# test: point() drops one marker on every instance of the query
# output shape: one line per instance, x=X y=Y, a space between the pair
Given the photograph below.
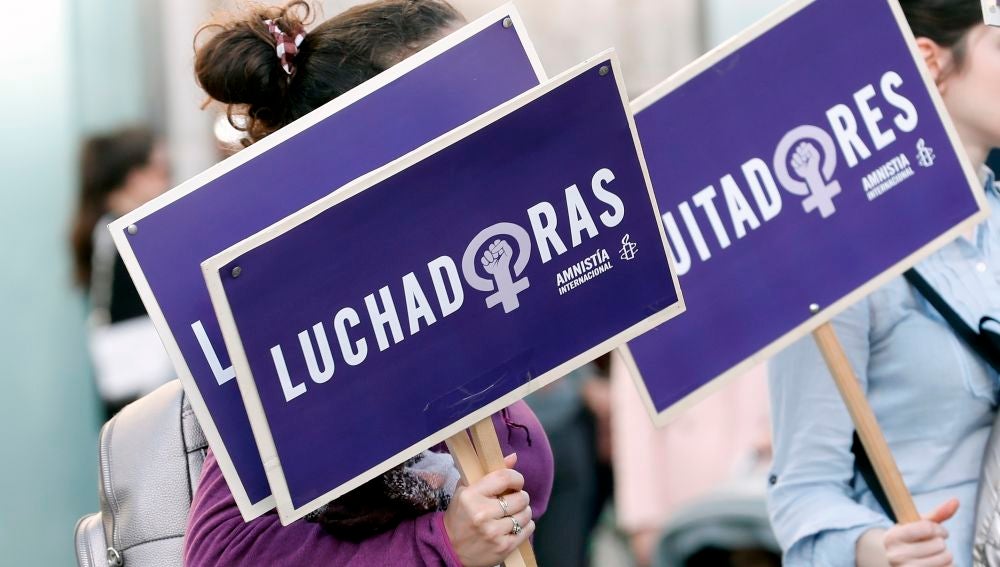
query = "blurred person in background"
x=119 y=171
x=575 y=412
x=269 y=71
x=935 y=398
x=663 y=474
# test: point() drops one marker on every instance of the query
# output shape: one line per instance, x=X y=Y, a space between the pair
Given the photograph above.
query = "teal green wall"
x=58 y=83
x=109 y=47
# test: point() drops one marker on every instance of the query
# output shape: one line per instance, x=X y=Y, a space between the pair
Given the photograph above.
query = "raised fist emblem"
x=805 y=161
x=499 y=264
x=813 y=162
x=496 y=258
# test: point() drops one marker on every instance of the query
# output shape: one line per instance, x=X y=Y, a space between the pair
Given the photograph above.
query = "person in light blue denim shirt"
x=934 y=398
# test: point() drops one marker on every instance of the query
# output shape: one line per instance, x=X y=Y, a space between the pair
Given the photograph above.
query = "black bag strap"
x=864 y=466
x=976 y=341
x=982 y=346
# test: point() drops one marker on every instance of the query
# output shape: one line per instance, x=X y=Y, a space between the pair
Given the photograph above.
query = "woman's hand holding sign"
x=482 y=519
x=923 y=542
x=916 y=543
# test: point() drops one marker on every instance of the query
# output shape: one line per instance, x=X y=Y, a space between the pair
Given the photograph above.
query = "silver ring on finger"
x=517 y=529
x=503 y=507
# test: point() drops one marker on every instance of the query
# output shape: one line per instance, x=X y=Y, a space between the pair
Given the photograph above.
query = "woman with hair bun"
x=935 y=398
x=270 y=70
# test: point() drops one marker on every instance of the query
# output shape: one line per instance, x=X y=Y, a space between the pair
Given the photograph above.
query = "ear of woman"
x=938 y=60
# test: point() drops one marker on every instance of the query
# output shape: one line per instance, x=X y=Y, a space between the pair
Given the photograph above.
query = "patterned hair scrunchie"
x=285 y=47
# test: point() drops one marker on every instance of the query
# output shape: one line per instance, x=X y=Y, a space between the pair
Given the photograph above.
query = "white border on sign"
x=826 y=314
x=248 y=509
x=258 y=419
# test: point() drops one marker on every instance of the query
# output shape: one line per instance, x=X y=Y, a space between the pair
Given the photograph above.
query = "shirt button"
x=772 y=480
x=981 y=267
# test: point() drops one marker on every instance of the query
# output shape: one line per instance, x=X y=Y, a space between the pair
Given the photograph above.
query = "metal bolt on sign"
x=507 y=22
x=237 y=271
x=132 y=229
x=604 y=70
x=814 y=308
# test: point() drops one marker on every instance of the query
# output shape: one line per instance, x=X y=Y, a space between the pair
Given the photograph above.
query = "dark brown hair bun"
x=237 y=64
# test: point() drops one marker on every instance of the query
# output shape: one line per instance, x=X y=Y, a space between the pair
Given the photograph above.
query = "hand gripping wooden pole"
x=477 y=452
x=864 y=421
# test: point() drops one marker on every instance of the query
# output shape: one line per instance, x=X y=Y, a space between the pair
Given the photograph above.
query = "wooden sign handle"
x=864 y=421
x=477 y=452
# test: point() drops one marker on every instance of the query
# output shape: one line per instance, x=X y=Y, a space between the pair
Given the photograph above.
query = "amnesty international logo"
x=628 y=248
x=498 y=263
x=925 y=154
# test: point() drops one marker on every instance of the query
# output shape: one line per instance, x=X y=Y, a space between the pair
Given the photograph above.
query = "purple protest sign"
x=434 y=292
x=163 y=243
x=798 y=168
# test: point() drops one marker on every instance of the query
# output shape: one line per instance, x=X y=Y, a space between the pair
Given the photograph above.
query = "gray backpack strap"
x=102 y=272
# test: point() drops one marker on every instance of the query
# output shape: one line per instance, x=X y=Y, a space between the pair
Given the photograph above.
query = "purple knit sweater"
x=217 y=536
